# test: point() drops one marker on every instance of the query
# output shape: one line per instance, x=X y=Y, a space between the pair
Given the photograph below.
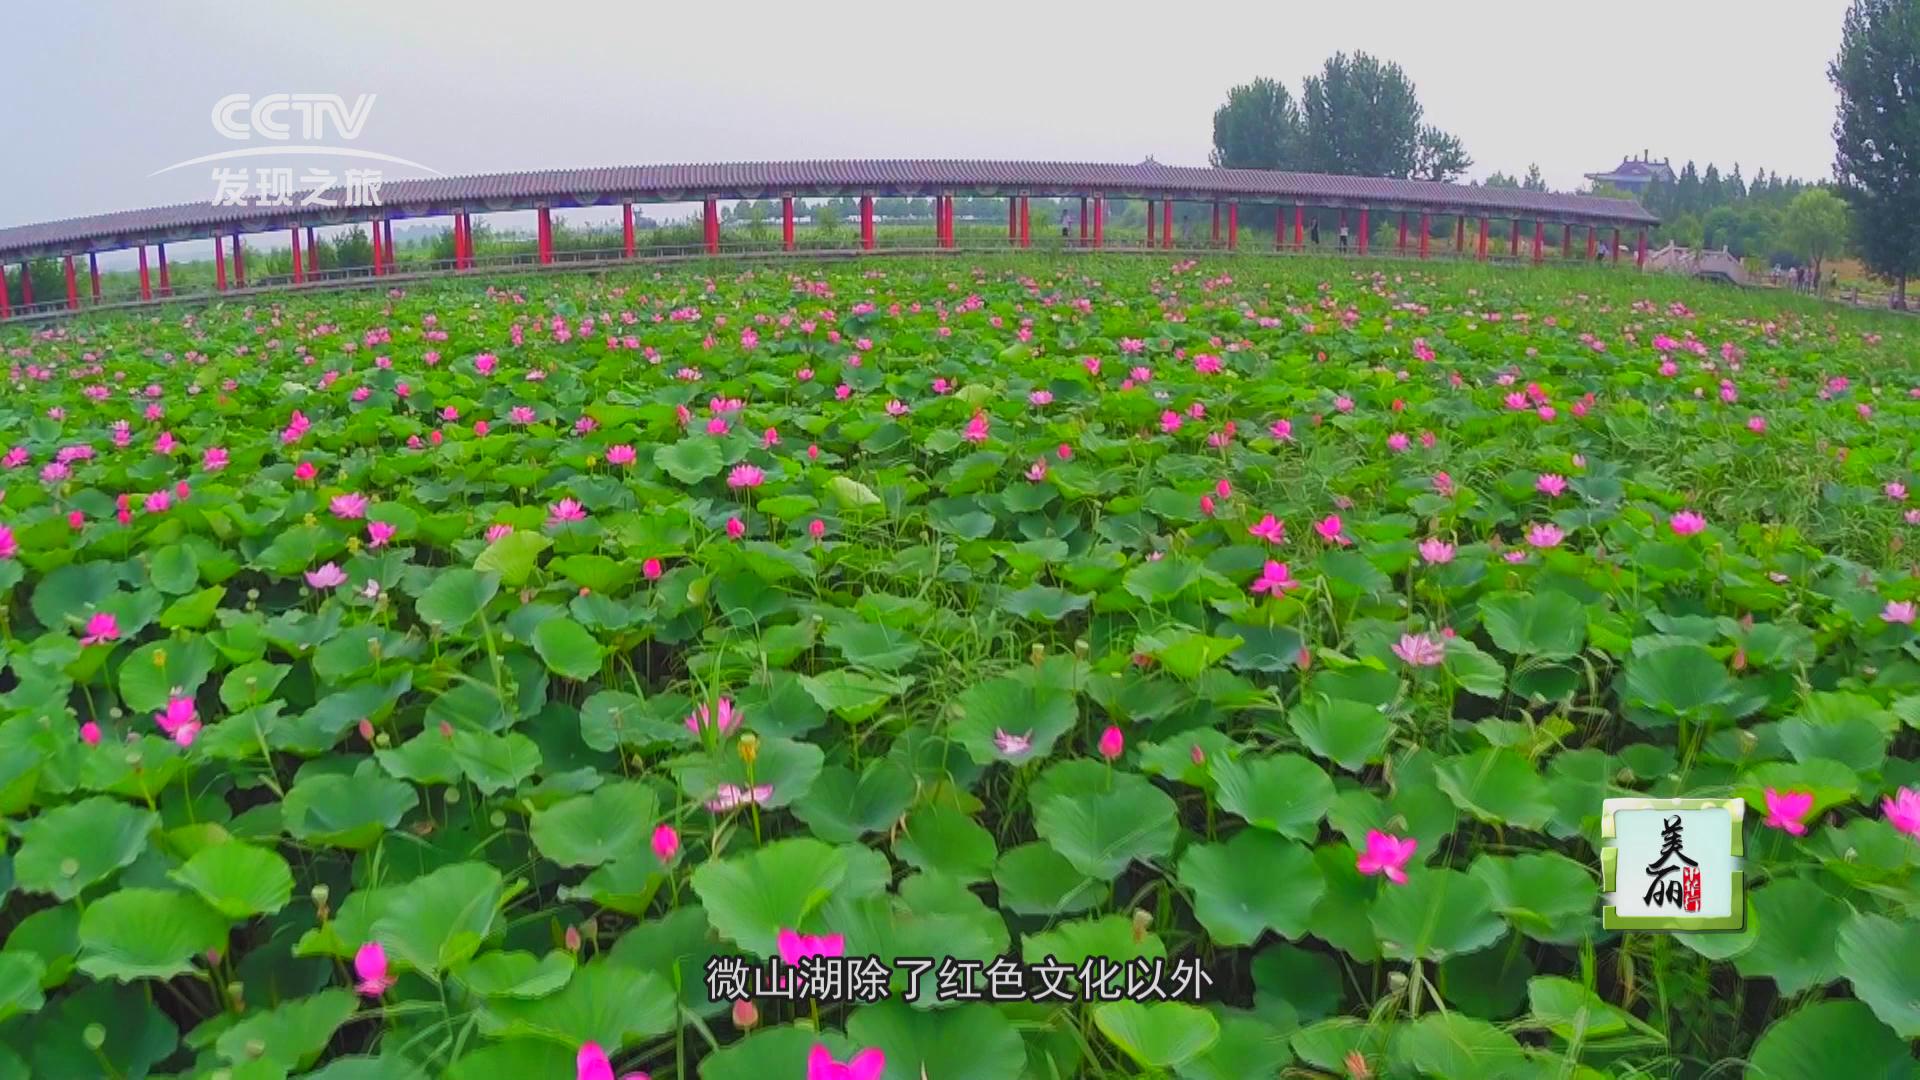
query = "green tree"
x=1534 y=181
x=1440 y=156
x=1685 y=230
x=1363 y=118
x=1877 y=134
x=1816 y=226
x=1258 y=128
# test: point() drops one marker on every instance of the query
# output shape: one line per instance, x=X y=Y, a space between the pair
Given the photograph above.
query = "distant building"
x=1636 y=174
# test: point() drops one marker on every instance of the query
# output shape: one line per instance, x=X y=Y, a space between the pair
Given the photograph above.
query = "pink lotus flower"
x=1686 y=523
x=1436 y=551
x=1274 y=580
x=102 y=627
x=736 y=528
x=90 y=733
x=1397 y=442
x=747 y=476
x=620 y=454
x=496 y=532
x=305 y=472
x=1420 y=650
x=1041 y=397
x=1329 y=529
x=9 y=547
x=722 y=719
x=650 y=569
x=1789 y=810
x=1896 y=491
x=214 y=459
x=1386 y=854
x=868 y=1064
x=1037 y=471
x=1898 y=611
x=564 y=511
x=816 y=528
x=1545 y=535
x=729 y=796
x=370 y=964
x=1112 y=742
x=1012 y=745
x=977 y=428
x=348 y=506
x=485 y=363
x=379 y=533
x=1757 y=425
x=1903 y=811
x=1282 y=430
x=666 y=843
x=591 y=1064
x=1551 y=484
x=794 y=945
x=328 y=576
x=179 y=720
x=1270 y=529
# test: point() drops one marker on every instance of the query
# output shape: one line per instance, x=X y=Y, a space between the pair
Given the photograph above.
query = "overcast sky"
x=100 y=95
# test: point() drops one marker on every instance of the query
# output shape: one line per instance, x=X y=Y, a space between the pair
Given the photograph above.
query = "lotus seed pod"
x=94 y=1035
x=498 y=819
x=453 y=796
x=1397 y=980
x=749 y=747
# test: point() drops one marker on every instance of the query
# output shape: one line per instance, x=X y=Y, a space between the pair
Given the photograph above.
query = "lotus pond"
x=443 y=682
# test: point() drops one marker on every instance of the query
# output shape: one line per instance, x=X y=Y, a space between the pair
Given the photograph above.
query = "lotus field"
x=1121 y=667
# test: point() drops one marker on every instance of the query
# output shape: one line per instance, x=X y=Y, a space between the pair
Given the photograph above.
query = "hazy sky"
x=99 y=95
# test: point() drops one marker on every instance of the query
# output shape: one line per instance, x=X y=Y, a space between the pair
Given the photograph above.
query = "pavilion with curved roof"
x=461 y=198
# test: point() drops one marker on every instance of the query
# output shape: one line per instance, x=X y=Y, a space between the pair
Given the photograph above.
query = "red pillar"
x=712 y=214
x=1013 y=219
x=1513 y=239
x=1616 y=247
x=1482 y=255
x=1086 y=226
x=1589 y=243
x=1026 y=221
x=299 y=268
x=166 y=283
x=219 y=265
x=1403 y=232
x=1100 y=221
x=866 y=222
x=146 y=287
x=626 y=228
x=786 y=223
x=6 y=309
x=1299 y=236
x=1151 y=210
x=546 y=233
x=1166 y=224
x=73 y=287
x=1539 y=236
x=313 y=253
x=379 y=261
x=1363 y=230
x=1425 y=232
x=1233 y=225
x=386 y=229
x=93 y=274
x=1215 y=241
x=1566 y=240
x=1640 y=253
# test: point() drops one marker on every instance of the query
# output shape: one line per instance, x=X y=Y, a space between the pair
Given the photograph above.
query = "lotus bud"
x=452 y=796
x=572 y=939
x=1748 y=741
x=1142 y=922
x=497 y=819
x=749 y=747
x=237 y=993
x=94 y=1035
x=1357 y=1066
x=256 y=1048
x=745 y=1016
x=1081 y=648
x=383 y=740
x=1396 y=980
x=320 y=894
x=366 y=729
x=1198 y=755
x=1038 y=654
